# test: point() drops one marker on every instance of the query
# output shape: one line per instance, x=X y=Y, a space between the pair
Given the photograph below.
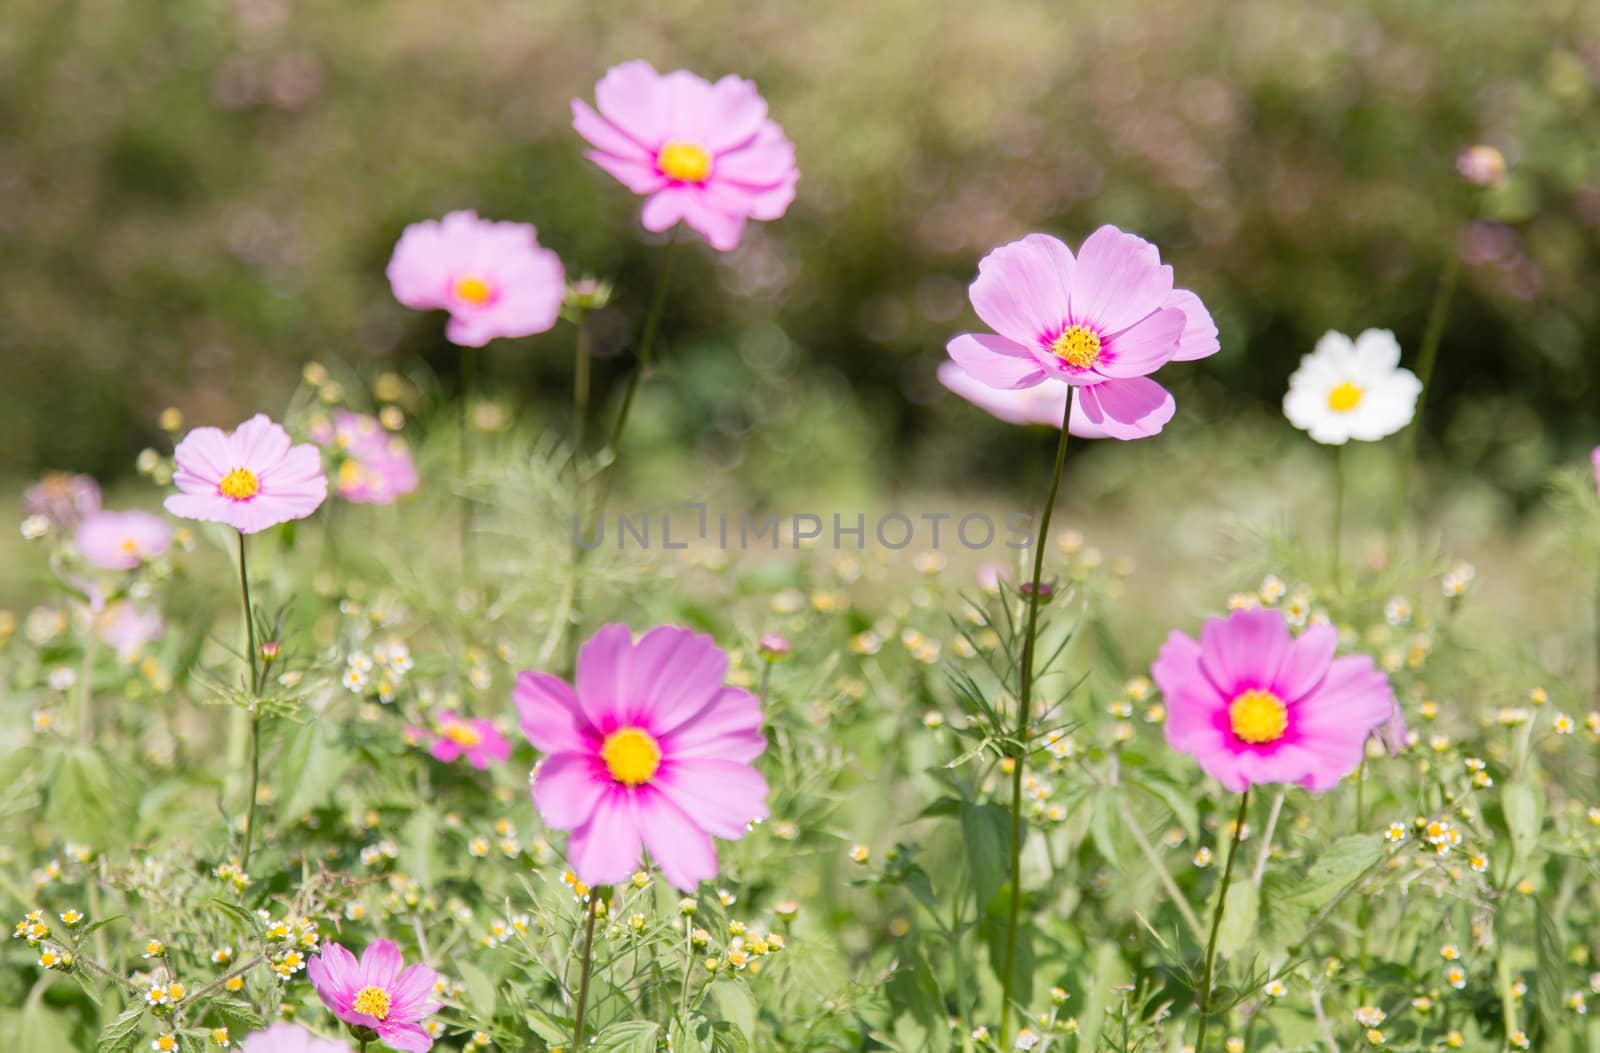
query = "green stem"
x=86 y=687
x=255 y=715
x=1024 y=704
x=464 y=465
x=583 y=981
x=581 y=365
x=1427 y=356
x=1338 y=512
x=1207 y=977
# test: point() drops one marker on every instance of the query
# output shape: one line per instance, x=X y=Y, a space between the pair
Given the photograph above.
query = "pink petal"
x=682 y=850
x=1352 y=700
x=729 y=728
x=606 y=137
x=550 y=714
x=412 y=993
x=1199 y=331
x=1119 y=280
x=409 y=1038
x=444 y=749
x=605 y=850
x=204 y=457
x=767 y=160
x=1243 y=651
x=722 y=797
x=568 y=788
x=1306 y=663
x=996 y=361
x=672 y=675
x=1045 y=403
x=1135 y=408
x=259 y=444
x=602 y=677
x=631 y=97
x=380 y=964
x=641 y=177
x=1144 y=348
x=734 y=113
x=1022 y=289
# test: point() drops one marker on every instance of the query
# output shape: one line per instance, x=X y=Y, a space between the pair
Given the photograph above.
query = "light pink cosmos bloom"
x=291 y=1038
x=703 y=153
x=122 y=540
x=1101 y=321
x=126 y=628
x=62 y=498
x=376 y=993
x=456 y=736
x=651 y=751
x=375 y=467
x=495 y=279
x=251 y=478
x=1594 y=458
x=1043 y=403
x=1254 y=705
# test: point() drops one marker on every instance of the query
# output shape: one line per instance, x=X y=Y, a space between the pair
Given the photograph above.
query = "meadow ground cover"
x=378 y=720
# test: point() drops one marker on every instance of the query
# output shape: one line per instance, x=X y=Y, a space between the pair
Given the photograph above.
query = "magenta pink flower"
x=251 y=478
x=1044 y=403
x=291 y=1038
x=455 y=736
x=495 y=279
x=374 y=467
x=62 y=498
x=1101 y=322
x=122 y=540
x=651 y=751
x=1254 y=705
x=702 y=153
x=376 y=993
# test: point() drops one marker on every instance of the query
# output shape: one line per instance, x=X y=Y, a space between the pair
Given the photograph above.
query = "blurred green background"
x=198 y=196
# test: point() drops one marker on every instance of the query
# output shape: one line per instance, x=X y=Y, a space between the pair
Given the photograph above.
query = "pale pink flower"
x=122 y=540
x=652 y=751
x=456 y=736
x=127 y=628
x=495 y=279
x=252 y=478
x=62 y=498
x=703 y=153
x=291 y=1038
x=1044 y=403
x=1255 y=705
x=374 y=467
x=1101 y=322
x=377 y=993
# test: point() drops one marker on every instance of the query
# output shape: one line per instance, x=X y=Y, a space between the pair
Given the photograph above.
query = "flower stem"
x=1209 y=975
x=1338 y=512
x=1024 y=704
x=583 y=981
x=86 y=687
x=464 y=466
x=255 y=714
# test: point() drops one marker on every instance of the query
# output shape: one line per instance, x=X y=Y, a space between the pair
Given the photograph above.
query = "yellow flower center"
x=373 y=1001
x=473 y=289
x=130 y=546
x=684 y=162
x=1077 y=346
x=1258 y=716
x=632 y=755
x=1345 y=397
x=462 y=734
x=240 y=484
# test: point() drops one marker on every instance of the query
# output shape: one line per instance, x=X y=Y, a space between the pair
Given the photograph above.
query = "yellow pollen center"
x=1258 y=717
x=631 y=755
x=1077 y=346
x=474 y=290
x=240 y=484
x=373 y=1001
x=130 y=546
x=463 y=734
x=684 y=162
x=1345 y=397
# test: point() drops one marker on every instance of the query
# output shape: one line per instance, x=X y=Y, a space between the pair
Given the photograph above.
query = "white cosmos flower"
x=1352 y=389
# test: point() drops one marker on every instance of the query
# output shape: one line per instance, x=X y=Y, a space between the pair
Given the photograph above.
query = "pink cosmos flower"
x=375 y=467
x=1101 y=321
x=1044 y=403
x=376 y=994
x=290 y=1038
x=495 y=279
x=651 y=751
x=62 y=498
x=455 y=736
x=127 y=628
x=122 y=540
x=1254 y=705
x=703 y=153
x=251 y=478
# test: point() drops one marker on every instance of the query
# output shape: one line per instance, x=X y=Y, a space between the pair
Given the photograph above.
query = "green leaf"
x=921 y=1018
x=241 y=917
x=239 y=1017
x=1523 y=806
x=480 y=989
x=986 y=829
x=738 y=1006
x=121 y=1033
x=312 y=767
x=1343 y=864
x=1179 y=800
x=97 y=925
x=1239 y=917
x=630 y=1036
x=554 y=1032
x=86 y=802
x=1547 y=981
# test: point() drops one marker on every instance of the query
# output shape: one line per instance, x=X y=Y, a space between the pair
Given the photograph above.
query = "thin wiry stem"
x=1209 y=975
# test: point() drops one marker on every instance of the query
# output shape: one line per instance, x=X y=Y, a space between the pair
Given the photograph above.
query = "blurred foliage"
x=199 y=195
